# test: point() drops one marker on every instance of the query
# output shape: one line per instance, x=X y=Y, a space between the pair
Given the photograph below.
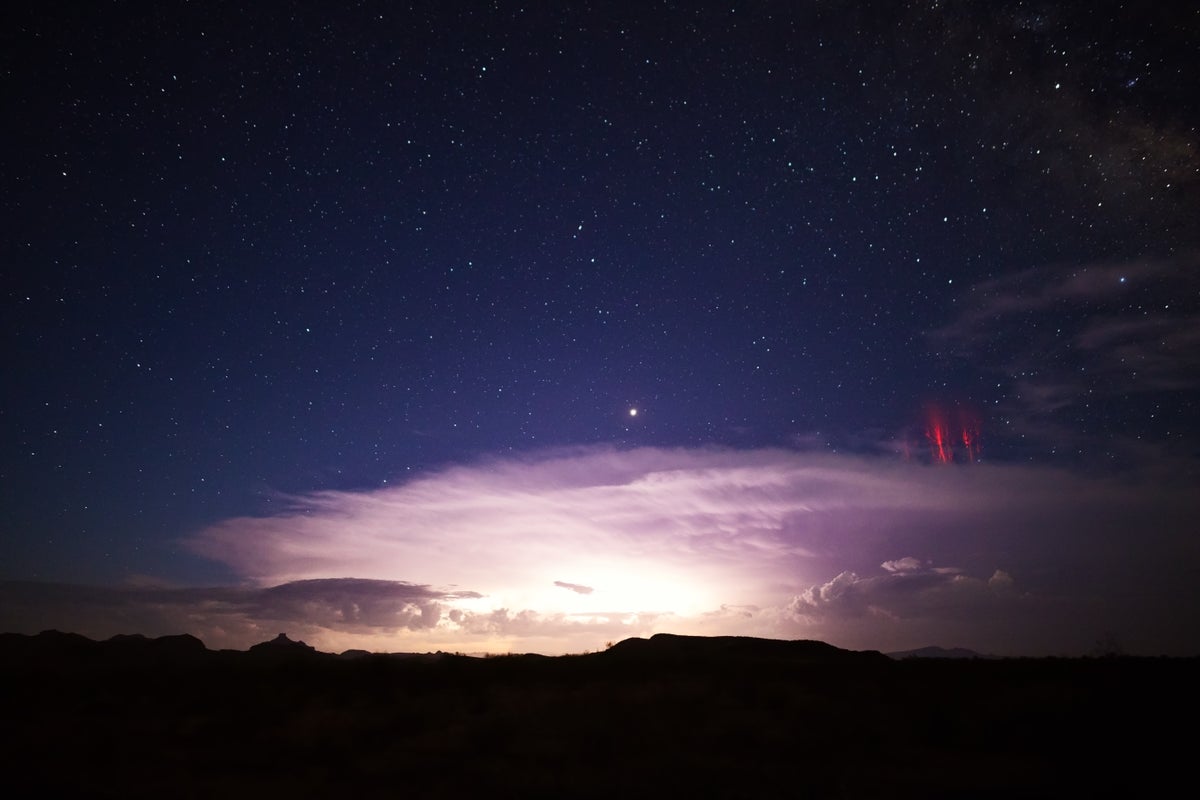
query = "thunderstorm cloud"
x=865 y=552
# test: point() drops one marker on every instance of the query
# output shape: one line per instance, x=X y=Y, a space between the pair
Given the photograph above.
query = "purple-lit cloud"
x=689 y=539
x=906 y=590
x=866 y=552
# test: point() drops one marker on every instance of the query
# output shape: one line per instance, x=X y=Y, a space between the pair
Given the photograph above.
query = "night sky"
x=491 y=327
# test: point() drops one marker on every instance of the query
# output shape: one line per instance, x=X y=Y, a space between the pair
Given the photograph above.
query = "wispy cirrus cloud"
x=1067 y=339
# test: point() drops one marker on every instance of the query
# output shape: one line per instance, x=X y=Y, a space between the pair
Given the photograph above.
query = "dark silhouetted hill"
x=667 y=716
x=54 y=650
x=47 y=644
x=282 y=649
x=673 y=648
x=938 y=652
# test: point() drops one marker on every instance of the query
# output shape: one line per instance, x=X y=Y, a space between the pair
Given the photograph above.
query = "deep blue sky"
x=284 y=249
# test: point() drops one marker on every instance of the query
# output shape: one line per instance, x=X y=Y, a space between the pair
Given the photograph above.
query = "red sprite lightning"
x=944 y=430
x=936 y=433
x=970 y=438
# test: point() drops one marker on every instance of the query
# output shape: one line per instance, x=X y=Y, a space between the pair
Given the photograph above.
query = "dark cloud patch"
x=574 y=587
x=225 y=616
x=352 y=603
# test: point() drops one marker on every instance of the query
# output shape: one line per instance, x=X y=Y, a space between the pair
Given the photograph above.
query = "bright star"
x=633 y=412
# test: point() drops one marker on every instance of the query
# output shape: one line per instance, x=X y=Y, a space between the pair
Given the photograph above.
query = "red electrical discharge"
x=936 y=433
x=970 y=438
x=944 y=431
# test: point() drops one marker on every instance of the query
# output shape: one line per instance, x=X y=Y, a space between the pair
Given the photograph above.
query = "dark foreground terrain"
x=666 y=717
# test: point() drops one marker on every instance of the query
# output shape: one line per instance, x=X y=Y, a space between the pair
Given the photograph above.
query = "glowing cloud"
x=860 y=552
x=758 y=542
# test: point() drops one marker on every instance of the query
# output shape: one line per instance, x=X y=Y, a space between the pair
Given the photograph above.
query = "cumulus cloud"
x=908 y=588
x=1000 y=581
